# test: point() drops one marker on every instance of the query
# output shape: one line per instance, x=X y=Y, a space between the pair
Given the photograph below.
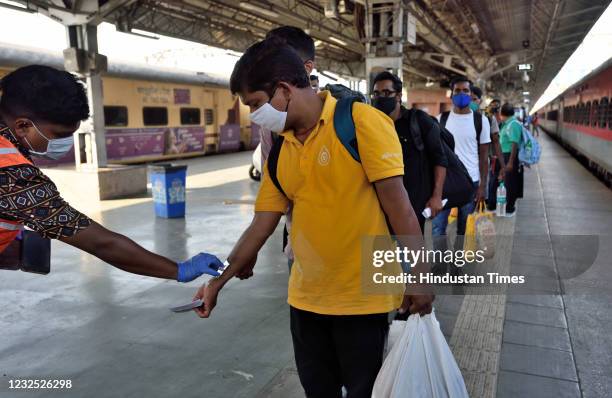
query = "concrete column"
x=386 y=25
x=82 y=57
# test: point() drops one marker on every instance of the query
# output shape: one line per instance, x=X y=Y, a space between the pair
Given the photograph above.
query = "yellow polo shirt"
x=334 y=206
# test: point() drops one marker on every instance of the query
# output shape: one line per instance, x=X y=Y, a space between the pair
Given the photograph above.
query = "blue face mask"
x=461 y=100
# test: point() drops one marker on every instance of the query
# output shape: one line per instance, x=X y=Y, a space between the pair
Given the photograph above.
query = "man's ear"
x=287 y=89
x=309 y=66
x=22 y=127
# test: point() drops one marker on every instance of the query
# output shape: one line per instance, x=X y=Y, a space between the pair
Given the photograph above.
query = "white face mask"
x=56 y=148
x=269 y=117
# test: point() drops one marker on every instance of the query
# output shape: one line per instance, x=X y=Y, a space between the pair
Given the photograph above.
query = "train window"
x=595 y=118
x=155 y=116
x=115 y=116
x=209 y=116
x=587 y=114
x=190 y=116
x=610 y=115
x=603 y=112
x=552 y=115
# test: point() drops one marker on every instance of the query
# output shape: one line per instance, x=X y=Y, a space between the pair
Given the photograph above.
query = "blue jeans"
x=440 y=222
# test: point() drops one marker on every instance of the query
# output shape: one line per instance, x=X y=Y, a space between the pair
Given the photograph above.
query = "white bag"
x=420 y=364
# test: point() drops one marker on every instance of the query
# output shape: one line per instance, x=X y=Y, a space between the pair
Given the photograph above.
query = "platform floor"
x=113 y=336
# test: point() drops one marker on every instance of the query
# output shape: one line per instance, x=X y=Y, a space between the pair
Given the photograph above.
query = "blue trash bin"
x=168 y=187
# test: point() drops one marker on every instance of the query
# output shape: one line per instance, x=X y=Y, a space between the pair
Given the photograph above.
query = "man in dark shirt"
x=40 y=109
x=424 y=158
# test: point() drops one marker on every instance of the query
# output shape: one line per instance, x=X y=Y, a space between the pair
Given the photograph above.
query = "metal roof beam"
x=580 y=12
x=437 y=35
x=575 y=25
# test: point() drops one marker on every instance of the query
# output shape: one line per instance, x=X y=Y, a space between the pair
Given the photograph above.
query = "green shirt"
x=509 y=133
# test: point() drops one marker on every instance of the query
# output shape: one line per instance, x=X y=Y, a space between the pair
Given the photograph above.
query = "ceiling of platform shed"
x=485 y=39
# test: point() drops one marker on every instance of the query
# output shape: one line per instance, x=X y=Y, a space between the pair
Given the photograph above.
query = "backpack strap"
x=477 y=126
x=415 y=130
x=345 y=126
x=273 y=162
x=444 y=118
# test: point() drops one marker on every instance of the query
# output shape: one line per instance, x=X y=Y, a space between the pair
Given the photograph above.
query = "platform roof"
x=483 y=39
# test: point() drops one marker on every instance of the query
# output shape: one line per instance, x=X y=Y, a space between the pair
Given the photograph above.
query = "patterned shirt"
x=32 y=199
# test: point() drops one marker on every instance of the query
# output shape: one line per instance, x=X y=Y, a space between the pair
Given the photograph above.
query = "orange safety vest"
x=9 y=156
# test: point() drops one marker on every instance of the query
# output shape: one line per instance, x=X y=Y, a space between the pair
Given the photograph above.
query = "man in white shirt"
x=471 y=146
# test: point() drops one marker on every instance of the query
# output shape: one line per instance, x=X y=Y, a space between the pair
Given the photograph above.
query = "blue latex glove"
x=202 y=263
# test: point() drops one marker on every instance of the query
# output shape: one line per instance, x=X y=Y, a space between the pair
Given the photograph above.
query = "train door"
x=560 y=118
x=211 y=122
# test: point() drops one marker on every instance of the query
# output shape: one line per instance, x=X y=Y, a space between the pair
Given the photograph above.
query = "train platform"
x=111 y=333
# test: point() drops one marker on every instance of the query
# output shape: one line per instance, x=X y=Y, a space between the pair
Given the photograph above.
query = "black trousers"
x=513 y=182
x=494 y=169
x=332 y=351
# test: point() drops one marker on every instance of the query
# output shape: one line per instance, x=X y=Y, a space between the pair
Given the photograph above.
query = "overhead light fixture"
x=524 y=67
x=525 y=92
x=317 y=43
x=337 y=41
x=259 y=9
x=429 y=83
x=143 y=33
x=13 y=5
x=474 y=27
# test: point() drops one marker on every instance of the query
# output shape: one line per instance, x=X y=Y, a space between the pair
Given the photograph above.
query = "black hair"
x=495 y=100
x=297 y=39
x=460 y=79
x=314 y=77
x=397 y=83
x=44 y=93
x=477 y=91
x=265 y=64
x=507 y=109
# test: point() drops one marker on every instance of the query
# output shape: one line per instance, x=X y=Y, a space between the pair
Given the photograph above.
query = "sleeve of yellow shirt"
x=379 y=147
x=269 y=198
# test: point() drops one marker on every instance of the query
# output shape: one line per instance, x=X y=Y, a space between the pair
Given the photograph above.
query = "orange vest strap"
x=10 y=155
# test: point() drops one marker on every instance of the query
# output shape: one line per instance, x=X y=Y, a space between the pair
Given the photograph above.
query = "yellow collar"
x=327 y=113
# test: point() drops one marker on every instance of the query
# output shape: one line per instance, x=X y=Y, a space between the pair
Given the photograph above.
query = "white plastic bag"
x=420 y=364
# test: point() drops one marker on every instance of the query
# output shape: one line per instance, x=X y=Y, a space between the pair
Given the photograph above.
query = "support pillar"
x=386 y=33
x=92 y=180
x=82 y=57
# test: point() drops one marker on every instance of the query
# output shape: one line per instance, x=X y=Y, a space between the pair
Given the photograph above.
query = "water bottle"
x=500 y=209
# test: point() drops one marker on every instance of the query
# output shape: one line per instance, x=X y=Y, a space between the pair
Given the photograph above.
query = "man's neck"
x=397 y=112
x=308 y=119
x=462 y=111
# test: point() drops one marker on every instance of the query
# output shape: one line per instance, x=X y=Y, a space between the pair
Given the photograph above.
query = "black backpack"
x=339 y=91
x=458 y=188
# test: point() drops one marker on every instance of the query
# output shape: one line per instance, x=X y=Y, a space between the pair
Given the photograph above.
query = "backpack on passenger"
x=339 y=91
x=458 y=187
x=529 y=148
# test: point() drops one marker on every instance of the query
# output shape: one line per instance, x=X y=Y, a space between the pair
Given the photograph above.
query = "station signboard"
x=524 y=67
